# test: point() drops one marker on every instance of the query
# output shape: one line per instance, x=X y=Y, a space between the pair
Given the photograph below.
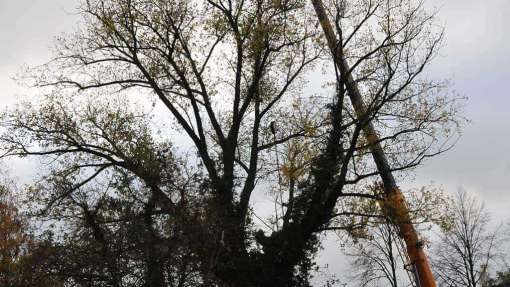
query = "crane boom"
x=394 y=206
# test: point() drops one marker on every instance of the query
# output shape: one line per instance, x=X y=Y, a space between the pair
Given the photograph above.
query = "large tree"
x=230 y=77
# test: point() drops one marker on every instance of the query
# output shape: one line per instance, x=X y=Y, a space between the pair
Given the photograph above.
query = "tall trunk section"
x=395 y=206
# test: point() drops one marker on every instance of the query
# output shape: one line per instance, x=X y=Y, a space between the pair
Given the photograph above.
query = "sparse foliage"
x=224 y=72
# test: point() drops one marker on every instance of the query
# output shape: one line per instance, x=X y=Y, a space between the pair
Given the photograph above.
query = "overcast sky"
x=476 y=58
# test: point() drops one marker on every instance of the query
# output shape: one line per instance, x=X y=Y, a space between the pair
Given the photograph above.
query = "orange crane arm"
x=395 y=205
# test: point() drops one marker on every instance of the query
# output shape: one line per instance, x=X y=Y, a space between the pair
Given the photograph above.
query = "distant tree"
x=377 y=259
x=13 y=238
x=21 y=255
x=377 y=252
x=468 y=247
x=229 y=76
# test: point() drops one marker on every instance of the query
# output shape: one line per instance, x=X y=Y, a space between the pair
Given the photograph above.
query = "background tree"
x=223 y=71
x=375 y=248
x=12 y=238
x=467 y=249
x=21 y=255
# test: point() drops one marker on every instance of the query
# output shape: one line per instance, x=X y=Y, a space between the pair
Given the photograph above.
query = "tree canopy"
x=146 y=198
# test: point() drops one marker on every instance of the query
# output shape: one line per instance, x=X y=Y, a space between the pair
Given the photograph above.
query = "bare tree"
x=377 y=251
x=377 y=259
x=467 y=248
